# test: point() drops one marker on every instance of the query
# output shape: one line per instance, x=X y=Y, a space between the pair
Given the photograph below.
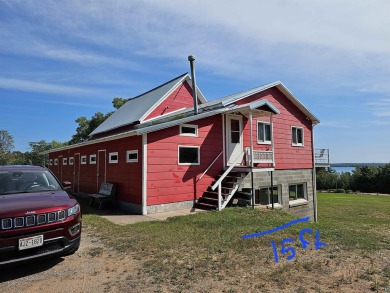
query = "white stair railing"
x=219 y=181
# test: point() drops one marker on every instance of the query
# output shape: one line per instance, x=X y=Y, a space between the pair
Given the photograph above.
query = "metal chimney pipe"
x=191 y=58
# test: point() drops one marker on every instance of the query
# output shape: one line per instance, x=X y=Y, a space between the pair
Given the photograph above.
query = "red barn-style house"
x=163 y=155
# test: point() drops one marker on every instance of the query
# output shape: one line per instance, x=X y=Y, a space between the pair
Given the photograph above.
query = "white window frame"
x=71 y=160
x=298 y=201
x=189 y=126
x=83 y=160
x=111 y=160
x=50 y=162
x=55 y=162
x=92 y=162
x=131 y=152
x=270 y=129
x=188 y=147
x=303 y=136
x=64 y=161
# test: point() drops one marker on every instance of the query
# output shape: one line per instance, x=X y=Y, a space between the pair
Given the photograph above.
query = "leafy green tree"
x=6 y=145
x=36 y=156
x=86 y=126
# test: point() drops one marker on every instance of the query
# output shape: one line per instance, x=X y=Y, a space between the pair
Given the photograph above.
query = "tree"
x=36 y=156
x=6 y=145
x=86 y=126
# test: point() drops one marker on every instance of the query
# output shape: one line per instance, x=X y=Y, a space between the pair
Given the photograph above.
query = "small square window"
x=51 y=162
x=297 y=136
x=263 y=132
x=188 y=130
x=189 y=155
x=132 y=156
x=83 y=160
x=92 y=159
x=55 y=162
x=113 y=158
x=71 y=160
x=297 y=191
x=64 y=161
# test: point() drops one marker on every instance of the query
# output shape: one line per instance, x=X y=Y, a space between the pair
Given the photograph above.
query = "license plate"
x=30 y=242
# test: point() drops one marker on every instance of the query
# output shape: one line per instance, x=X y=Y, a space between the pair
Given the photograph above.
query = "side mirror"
x=67 y=185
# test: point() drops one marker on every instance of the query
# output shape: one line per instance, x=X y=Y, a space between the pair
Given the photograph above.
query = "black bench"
x=106 y=193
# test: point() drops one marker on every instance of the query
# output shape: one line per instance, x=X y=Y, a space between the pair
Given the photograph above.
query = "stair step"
x=211 y=198
x=216 y=192
x=207 y=204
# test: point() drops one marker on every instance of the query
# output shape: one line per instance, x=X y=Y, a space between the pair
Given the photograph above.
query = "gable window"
x=92 y=159
x=297 y=136
x=71 y=160
x=189 y=155
x=64 y=161
x=189 y=130
x=263 y=132
x=113 y=158
x=83 y=160
x=132 y=156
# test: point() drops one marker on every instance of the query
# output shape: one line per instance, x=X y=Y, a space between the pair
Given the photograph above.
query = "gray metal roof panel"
x=136 y=108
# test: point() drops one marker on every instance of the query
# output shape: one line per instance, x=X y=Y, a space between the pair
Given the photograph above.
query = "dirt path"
x=93 y=268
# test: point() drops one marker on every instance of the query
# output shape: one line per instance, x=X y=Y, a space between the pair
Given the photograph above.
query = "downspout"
x=314 y=176
x=251 y=154
x=191 y=58
x=144 y=173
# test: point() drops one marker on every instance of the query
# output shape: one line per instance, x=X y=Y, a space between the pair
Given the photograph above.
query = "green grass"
x=210 y=244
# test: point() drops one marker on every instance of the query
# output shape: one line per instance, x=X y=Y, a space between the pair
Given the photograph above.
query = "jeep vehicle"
x=38 y=218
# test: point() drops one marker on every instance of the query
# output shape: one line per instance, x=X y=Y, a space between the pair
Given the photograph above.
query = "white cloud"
x=41 y=87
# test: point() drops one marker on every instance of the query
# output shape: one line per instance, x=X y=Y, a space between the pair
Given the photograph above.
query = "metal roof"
x=139 y=107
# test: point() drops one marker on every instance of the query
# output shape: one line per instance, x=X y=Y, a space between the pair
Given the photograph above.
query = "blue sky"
x=60 y=60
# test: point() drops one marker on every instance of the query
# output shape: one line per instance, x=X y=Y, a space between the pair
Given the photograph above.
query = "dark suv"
x=38 y=218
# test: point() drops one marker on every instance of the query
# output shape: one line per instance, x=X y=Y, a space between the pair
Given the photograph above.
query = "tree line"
x=34 y=156
x=371 y=179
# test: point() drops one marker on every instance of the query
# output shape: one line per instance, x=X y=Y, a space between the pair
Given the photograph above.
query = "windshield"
x=26 y=181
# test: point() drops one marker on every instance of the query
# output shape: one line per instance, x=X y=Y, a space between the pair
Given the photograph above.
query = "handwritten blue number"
x=284 y=250
x=275 y=251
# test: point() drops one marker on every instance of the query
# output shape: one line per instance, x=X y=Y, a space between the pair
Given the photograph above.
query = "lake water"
x=343 y=169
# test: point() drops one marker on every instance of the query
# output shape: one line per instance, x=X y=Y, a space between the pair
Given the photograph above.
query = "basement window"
x=71 y=160
x=113 y=158
x=64 y=161
x=132 y=156
x=189 y=155
x=83 y=160
x=297 y=194
x=189 y=130
x=263 y=195
x=297 y=136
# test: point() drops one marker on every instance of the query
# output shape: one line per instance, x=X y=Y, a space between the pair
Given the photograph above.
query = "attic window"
x=189 y=130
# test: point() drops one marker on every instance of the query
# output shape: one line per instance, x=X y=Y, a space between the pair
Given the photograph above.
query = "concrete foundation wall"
x=284 y=178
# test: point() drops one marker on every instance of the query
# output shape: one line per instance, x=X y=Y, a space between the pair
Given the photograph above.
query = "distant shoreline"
x=357 y=164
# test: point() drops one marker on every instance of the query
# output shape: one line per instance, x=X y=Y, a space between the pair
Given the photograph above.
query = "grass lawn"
x=205 y=252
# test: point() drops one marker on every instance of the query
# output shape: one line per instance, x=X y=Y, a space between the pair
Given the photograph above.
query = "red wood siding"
x=126 y=176
x=180 y=98
x=169 y=182
x=286 y=155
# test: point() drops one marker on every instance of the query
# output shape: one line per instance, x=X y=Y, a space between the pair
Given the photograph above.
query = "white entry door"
x=234 y=137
